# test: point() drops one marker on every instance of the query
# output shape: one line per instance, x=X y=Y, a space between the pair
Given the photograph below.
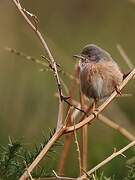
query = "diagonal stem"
x=54 y=64
x=115 y=154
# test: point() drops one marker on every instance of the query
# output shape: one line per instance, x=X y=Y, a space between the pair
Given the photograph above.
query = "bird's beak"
x=78 y=57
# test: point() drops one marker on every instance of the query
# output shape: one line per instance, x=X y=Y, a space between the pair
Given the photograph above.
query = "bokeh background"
x=27 y=102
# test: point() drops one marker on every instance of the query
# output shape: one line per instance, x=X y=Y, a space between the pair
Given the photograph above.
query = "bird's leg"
x=94 y=108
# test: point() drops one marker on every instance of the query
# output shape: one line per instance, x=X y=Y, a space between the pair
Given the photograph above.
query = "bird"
x=100 y=75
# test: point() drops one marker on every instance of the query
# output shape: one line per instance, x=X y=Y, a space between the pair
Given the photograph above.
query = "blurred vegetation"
x=16 y=157
x=27 y=102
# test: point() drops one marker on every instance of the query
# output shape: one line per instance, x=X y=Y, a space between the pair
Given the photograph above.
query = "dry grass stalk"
x=84 y=138
x=64 y=154
x=69 y=120
x=57 y=178
x=78 y=150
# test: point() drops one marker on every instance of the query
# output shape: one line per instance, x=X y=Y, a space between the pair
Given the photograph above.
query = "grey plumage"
x=99 y=73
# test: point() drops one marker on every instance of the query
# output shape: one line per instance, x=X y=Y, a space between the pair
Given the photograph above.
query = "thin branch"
x=78 y=150
x=60 y=177
x=115 y=154
x=85 y=172
x=57 y=178
x=32 y=16
x=111 y=124
x=72 y=105
x=44 y=44
x=69 y=121
x=84 y=147
x=64 y=154
x=103 y=106
x=64 y=86
x=60 y=116
x=117 y=127
x=68 y=116
x=54 y=65
x=29 y=174
x=75 y=106
x=84 y=138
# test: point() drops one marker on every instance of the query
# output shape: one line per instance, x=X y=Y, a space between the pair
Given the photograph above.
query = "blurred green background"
x=27 y=102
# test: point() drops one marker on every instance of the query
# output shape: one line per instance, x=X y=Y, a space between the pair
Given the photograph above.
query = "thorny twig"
x=79 y=109
x=60 y=177
x=32 y=16
x=52 y=61
x=109 y=123
x=45 y=46
x=115 y=154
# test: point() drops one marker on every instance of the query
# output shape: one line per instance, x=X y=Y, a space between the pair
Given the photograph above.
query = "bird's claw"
x=118 y=90
x=65 y=97
x=95 y=113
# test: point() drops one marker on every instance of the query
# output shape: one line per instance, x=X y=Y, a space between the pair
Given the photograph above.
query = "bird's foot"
x=95 y=112
x=118 y=90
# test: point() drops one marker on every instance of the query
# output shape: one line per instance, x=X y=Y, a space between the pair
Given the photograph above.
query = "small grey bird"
x=100 y=75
